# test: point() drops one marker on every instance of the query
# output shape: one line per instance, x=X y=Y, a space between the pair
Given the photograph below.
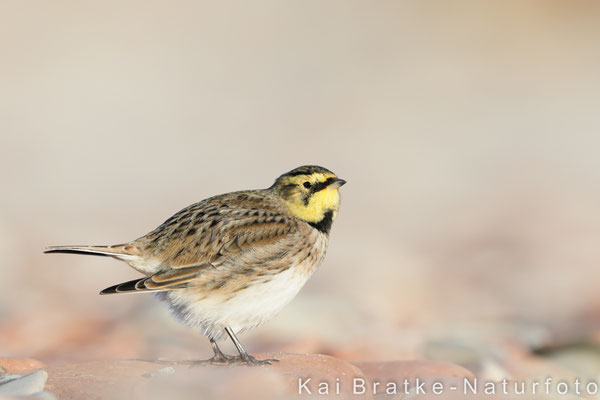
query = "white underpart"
x=247 y=309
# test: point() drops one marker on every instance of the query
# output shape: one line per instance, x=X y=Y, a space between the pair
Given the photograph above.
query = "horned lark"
x=231 y=262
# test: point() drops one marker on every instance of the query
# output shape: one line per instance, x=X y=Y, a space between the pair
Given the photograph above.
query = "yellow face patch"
x=309 y=196
x=319 y=203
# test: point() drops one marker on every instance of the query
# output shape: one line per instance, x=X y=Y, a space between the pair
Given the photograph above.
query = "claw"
x=250 y=360
x=222 y=359
x=236 y=360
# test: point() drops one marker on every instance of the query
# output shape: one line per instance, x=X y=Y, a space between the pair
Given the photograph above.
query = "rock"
x=454 y=389
x=581 y=359
x=295 y=375
x=462 y=353
x=36 y=396
x=26 y=385
x=126 y=379
x=162 y=371
x=8 y=378
x=536 y=368
x=394 y=378
x=384 y=371
x=98 y=379
x=262 y=383
x=318 y=367
x=43 y=396
x=20 y=364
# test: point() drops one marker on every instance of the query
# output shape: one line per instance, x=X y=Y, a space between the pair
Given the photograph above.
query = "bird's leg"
x=245 y=357
x=219 y=357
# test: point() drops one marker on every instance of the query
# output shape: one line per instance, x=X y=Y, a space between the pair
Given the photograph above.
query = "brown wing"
x=216 y=229
x=192 y=244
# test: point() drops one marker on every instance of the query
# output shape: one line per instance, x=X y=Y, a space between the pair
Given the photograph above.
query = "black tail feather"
x=129 y=286
x=68 y=251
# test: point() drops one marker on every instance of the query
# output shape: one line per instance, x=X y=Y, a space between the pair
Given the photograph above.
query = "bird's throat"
x=324 y=225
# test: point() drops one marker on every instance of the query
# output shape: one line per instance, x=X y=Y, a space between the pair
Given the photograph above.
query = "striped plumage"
x=229 y=263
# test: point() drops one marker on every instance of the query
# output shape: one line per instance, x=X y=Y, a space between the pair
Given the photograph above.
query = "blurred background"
x=468 y=133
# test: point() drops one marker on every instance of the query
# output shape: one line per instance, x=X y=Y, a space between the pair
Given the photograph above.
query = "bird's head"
x=310 y=193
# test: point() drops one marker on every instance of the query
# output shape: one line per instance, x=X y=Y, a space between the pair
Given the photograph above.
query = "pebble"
x=8 y=378
x=25 y=385
x=19 y=364
x=36 y=396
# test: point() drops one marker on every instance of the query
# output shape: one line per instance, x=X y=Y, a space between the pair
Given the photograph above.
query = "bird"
x=231 y=262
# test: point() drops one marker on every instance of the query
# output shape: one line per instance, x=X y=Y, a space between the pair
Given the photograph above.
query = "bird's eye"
x=307 y=185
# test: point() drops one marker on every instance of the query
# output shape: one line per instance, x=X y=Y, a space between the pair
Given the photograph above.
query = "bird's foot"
x=250 y=360
x=236 y=360
x=225 y=359
x=217 y=359
x=222 y=359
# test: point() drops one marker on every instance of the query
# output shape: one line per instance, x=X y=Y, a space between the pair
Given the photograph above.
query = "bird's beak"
x=337 y=182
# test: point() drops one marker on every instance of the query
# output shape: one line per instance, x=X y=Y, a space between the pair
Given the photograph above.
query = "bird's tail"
x=123 y=251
